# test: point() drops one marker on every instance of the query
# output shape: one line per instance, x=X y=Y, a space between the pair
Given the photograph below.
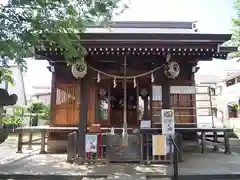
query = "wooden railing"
x=143 y=138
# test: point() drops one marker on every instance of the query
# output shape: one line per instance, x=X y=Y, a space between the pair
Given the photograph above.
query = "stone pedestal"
x=234 y=145
x=58 y=146
x=116 y=153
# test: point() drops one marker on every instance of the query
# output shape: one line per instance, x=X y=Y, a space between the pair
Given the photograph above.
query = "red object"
x=89 y=156
x=95 y=128
x=99 y=148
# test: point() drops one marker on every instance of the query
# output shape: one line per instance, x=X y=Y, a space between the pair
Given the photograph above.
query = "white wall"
x=18 y=87
x=46 y=99
x=225 y=96
x=203 y=105
x=230 y=95
x=214 y=72
x=37 y=75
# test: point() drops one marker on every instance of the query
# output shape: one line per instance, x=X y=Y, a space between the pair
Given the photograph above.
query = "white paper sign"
x=156 y=93
x=159 y=145
x=168 y=122
x=168 y=125
x=91 y=143
x=182 y=90
x=144 y=124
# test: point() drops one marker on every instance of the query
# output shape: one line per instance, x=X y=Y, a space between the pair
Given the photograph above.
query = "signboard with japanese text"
x=91 y=143
x=157 y=93
x=168 y=122
x=168 y=126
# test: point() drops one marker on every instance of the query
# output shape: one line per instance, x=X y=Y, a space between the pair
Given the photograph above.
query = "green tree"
x=26 y=25
x=6 y=75
x=38 y=110
x=236 y=28
x=16 y=118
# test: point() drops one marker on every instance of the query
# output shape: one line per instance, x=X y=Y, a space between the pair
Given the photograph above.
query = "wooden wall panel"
x=67 y=108
x=184 y=107
x=92 y=104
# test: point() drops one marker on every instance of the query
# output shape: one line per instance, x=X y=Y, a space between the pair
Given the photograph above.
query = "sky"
x=213 y=16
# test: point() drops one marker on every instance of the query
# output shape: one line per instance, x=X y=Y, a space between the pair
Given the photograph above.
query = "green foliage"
x=38 y=23
x=46 y=112
x=35 y=111
x=235 y=106
x=236 y=28
x=16 y=117
x=6 y=75
x=40 y=110
x=2 y=114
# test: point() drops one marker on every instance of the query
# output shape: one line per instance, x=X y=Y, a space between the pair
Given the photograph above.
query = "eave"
x=157 y=37
x=203 y=53
x=201 y=46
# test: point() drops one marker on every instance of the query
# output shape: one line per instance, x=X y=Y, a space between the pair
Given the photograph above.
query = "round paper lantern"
x=172 y=70
x=79 y=70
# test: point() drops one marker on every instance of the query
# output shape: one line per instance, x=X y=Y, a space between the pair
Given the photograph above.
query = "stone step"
x=126 y=177
x=234 y=142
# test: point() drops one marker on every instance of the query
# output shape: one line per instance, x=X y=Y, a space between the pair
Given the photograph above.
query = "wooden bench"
x=203 y=132
x=44 y=130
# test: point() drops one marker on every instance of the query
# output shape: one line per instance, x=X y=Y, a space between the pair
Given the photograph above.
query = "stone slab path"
x=31 y=162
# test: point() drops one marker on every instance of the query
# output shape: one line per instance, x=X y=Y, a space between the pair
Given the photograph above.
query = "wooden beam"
x=166 y=94
x=53 y=98
x=83 y=116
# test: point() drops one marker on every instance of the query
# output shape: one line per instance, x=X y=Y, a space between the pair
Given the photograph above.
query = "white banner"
x=156 y=93
x=183 y=90
x=159 y=145
x=168 y=122
x=91 y=143
x=168 y=125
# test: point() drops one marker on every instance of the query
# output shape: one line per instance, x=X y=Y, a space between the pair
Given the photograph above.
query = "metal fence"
x=72 y=146
x=141 y=148
x=99 y=157
x=147 y=153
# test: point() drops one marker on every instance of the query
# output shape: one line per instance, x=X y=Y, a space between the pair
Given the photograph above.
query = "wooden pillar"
x=145 y=112
x=83 y=116
x=53 y=98
x=166 y=92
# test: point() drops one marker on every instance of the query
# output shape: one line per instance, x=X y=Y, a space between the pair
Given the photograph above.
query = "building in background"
x=42 y=94
x=225 y=94
x=18 y=88
x=230 y=95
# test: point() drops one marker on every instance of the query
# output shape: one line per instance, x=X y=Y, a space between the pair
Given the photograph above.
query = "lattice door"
x=67 y=104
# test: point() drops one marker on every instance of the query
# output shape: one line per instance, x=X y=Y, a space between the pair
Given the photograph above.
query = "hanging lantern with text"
x=172 y=70
x=79 y=70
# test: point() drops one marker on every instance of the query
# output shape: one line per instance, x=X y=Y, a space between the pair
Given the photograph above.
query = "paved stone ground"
x=9 y=147
x=210 y=163
x=30 y=162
